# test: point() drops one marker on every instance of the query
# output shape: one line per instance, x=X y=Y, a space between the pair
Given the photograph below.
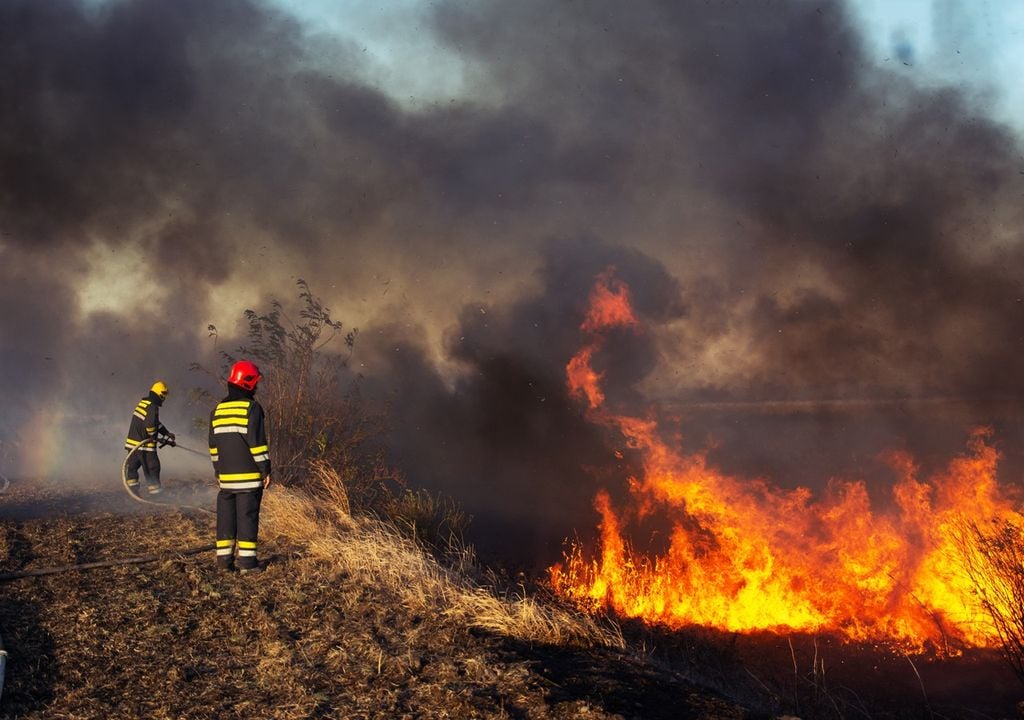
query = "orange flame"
x=609 y=307
x=744 y=555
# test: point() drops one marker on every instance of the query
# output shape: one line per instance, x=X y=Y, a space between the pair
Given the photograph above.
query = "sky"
x=976 y=44
x=816 y=205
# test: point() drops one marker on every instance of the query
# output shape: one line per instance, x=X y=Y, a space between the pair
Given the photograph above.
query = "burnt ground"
x=178 y=639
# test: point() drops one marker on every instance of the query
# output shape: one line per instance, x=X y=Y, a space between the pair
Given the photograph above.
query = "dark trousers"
x=150 y=464
x=238 y=522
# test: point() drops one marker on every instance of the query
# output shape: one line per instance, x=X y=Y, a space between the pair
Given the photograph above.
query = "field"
x=352 y=619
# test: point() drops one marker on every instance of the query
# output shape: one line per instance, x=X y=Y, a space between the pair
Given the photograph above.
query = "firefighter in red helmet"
x=241 y=460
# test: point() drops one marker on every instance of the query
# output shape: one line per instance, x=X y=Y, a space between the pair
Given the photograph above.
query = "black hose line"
x=4 y=577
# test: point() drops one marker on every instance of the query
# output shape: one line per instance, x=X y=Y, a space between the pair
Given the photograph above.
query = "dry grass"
x=993 y=559
x=379 y=554
x=350 y=619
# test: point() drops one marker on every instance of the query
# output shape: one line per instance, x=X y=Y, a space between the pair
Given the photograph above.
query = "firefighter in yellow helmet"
x=143 y=433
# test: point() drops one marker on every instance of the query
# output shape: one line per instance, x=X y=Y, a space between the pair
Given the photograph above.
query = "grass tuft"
x=378 y=552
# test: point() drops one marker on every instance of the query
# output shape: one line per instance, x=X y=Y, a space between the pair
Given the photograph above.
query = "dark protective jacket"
x=238 y=441
x=146 y=425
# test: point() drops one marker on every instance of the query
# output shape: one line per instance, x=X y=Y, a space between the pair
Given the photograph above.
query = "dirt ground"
x=179 y=639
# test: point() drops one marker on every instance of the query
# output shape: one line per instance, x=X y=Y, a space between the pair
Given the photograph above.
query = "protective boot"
x=225 y=551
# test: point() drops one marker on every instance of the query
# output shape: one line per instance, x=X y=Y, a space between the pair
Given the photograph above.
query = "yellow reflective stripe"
x=143 y=404
x=133 y=443
x=259 y=449
x=233 y=412
x=151 y=430
x=234 y=404
x=239 y=476
x=225 y=543
x=214 y=451
x=139 y=415
x=239 y=421
x=246 y=545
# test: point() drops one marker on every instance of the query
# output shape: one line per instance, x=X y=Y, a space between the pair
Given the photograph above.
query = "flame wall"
x=744 y=555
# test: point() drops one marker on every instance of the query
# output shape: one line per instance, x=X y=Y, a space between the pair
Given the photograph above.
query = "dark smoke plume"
x=826 y=256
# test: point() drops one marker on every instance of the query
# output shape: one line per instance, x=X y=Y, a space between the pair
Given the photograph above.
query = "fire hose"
x=161 y=443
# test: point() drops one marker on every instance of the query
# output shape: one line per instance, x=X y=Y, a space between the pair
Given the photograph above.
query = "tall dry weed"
x=993 y=559
x=315 y=412
x=378 y=553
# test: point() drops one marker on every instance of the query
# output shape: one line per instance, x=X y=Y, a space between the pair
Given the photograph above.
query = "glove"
x=170 y=439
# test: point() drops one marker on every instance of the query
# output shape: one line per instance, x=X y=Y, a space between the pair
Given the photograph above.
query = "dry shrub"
x=315 y=413
x=433 y=520
x=323 y=437
x=993 y=559
x=378 y=553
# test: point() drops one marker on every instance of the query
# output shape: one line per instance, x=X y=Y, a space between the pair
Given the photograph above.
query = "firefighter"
x=143 y=433
x=241 y=461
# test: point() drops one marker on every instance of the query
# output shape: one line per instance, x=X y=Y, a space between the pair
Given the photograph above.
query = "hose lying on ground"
x=4 y=577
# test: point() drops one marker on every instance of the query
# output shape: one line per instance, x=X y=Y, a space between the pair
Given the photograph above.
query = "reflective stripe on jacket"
x=144 y=426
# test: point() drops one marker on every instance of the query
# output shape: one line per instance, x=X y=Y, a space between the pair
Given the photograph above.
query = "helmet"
x=245 y=375
x=160 y=388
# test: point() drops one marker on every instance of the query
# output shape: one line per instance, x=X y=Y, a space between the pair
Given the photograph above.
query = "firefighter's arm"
x=257 y=441
x=152 y=421
x=161 y=429
x=214 y=456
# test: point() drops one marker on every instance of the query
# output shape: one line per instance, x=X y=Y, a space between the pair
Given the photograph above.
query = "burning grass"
x=744 y=555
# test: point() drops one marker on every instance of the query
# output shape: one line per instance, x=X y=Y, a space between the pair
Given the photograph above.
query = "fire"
x=609 y=307
x=744 y=555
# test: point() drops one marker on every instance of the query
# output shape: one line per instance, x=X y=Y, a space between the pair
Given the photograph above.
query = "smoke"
x=796 y=224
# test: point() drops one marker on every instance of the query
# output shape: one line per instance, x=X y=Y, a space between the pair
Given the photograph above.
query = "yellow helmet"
x=160 y=388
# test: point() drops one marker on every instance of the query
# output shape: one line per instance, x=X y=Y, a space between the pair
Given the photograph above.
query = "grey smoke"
x=796 y=224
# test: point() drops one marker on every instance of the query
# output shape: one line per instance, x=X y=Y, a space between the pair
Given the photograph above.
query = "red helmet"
x=245 y=375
